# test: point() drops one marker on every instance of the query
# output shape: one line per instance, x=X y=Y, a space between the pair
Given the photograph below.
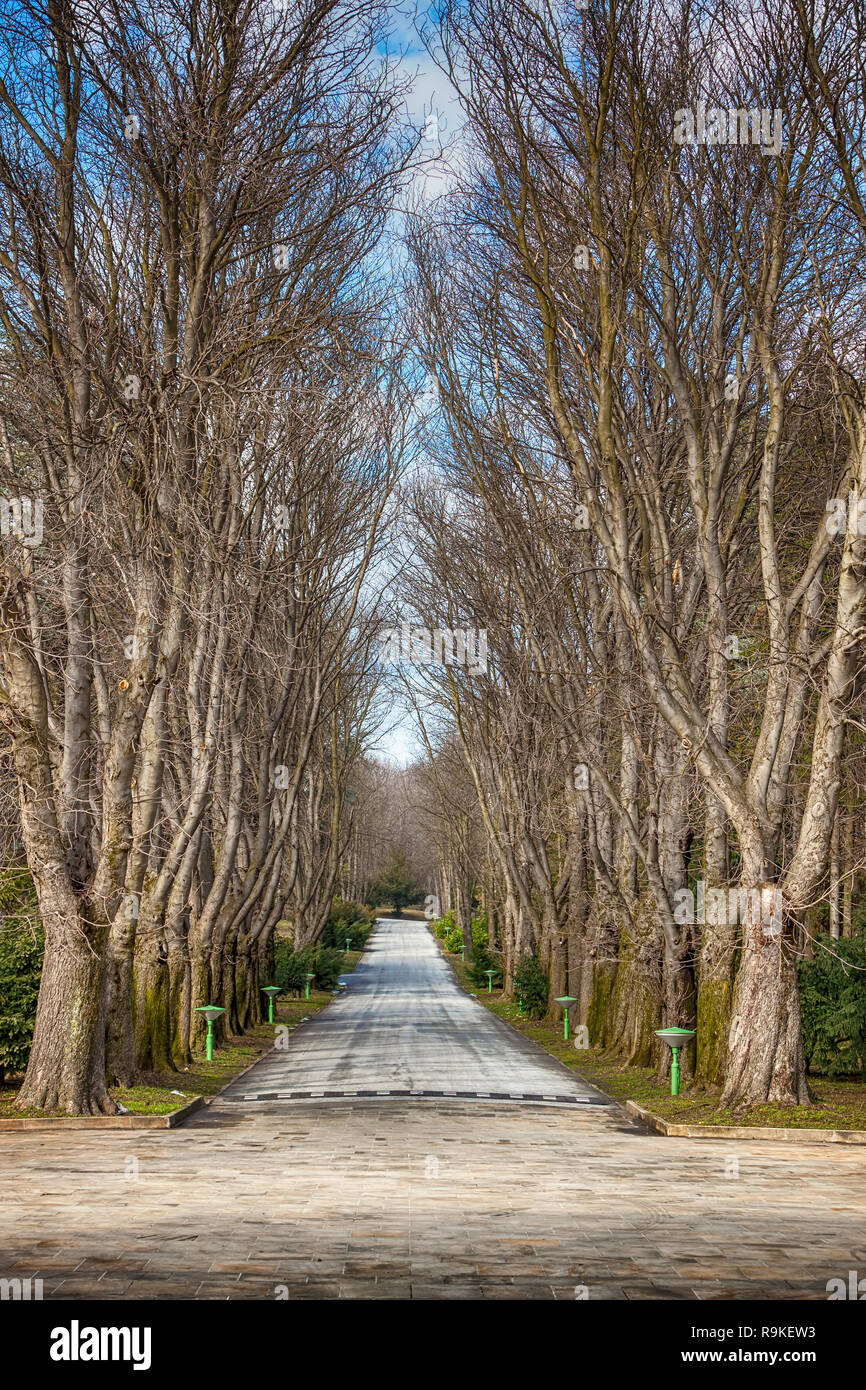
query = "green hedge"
x=21 y=947
x=445 y=928
x=833 y=1006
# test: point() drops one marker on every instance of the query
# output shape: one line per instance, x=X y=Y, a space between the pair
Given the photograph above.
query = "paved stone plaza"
x=411 y=1197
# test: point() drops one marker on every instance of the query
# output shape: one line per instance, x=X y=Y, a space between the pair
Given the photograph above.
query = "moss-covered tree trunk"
x=247 y=1010
x=151 y=992
x=635 y=1004
x=603 y=941
x=715 y=995
x=119 y=1030
x=678 y=988
x=179 y=998
x=200 y=991
x=229 y=984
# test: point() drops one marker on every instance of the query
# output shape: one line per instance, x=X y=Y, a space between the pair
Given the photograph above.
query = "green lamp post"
x=348 y=944
x=675 y=1038
x=211 y=1012
x=566 y=1000
x=463 y=954
x=310 y=975
x=490 y=974
x=271 y=991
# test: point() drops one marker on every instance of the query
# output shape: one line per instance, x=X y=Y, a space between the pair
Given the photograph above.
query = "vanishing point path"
x=407 y=1144
x=404 y=1028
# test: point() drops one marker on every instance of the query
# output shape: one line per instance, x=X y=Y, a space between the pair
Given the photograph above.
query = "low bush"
x=291 y=967
x=482 y=961
x=443 y=925
x=530 y=985
x=329 y=967
x=345 y=911
x=337 y=934
x=480 y=935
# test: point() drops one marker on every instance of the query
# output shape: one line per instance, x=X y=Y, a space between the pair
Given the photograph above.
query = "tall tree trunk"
x=765 y=1048
x=151 y=993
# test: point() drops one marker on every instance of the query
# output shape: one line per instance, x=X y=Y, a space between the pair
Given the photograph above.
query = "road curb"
x=168 y=1121
x=775 y=1135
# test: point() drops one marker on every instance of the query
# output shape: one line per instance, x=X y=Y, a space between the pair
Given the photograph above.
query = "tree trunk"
x=66 y=1070
x=201 y=990
x=153 y=1027
x=679 y=1000
x=765 y=1045
x=119 y=1032
x=180 y=998
x=835 y=877
x=716 y=973
x=848 y=872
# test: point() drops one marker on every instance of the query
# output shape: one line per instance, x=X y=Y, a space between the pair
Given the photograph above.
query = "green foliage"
x=453 y=939
x=348 y=921
x=336 y=934
x=530 y=984
x=447 y=931
x=21 y=947
x=17 y=894
x=291 y=967
x=395 y=885
x=483 y=960
x=443 y=925
x=346 y=912
x=329 y=967
x=833 y=1006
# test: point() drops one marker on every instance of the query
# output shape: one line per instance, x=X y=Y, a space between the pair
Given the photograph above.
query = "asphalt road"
x=405 y=1027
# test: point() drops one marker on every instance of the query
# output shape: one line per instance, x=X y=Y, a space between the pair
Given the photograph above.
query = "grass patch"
x=840 y=1102
x=409 y=914
x=153 y=1095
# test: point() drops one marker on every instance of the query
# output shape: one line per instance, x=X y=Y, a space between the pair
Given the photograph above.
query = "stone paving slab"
x=442 y=1201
